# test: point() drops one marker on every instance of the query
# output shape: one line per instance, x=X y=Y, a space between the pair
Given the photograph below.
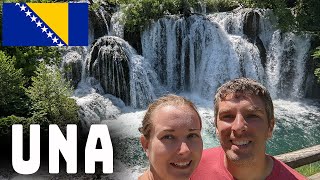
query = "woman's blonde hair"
x=166 y=100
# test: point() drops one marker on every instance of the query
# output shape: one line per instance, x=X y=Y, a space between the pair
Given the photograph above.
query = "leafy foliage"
x=18 y=65
x=50 y=95
x=28 y=58
x=7 y=122
x=308 y=15
x=220 y=5
x=138 y=14
x=12 y=99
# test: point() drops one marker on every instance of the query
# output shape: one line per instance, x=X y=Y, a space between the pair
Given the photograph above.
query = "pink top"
x=212 y=166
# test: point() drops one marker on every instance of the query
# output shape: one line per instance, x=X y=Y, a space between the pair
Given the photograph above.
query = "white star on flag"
x=39 y=23
x=22 y=8
x=17 y=4
x=28 y=13
x=55 y=40
x=49 y=34
x=33 y=18
x=60 y=44
x=44 y=29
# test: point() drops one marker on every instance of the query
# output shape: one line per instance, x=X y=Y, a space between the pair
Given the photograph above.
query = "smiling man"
x=244 y=120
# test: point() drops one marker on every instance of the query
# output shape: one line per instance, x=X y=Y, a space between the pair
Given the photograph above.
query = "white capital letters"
x=104 y=155
x=19 y=165
x=68 y=148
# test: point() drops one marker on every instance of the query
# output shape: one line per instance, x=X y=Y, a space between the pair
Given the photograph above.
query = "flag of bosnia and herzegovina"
x=45 y=24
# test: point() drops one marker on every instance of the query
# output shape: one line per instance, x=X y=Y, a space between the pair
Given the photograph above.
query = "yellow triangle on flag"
x=55 y=15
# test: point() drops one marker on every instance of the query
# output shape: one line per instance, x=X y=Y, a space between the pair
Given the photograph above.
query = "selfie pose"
x=171 y=139
x=244 y=120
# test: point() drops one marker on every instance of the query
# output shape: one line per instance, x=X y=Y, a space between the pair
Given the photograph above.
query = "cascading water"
x=202 y=52
x=192 y=57
x=286 y=65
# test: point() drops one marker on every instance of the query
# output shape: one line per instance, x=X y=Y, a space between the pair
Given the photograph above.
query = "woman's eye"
x=167 y=137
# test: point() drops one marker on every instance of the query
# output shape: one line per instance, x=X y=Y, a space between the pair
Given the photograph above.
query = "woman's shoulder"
x=144 y=176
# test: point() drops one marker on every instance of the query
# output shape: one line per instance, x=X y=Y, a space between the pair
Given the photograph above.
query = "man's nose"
x=239 y=124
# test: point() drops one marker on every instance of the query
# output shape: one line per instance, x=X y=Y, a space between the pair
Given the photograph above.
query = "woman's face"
x=175 y=146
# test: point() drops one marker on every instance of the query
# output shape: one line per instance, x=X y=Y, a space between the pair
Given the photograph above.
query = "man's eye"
x=193 y=135
x=252 y=116
x=226 y=117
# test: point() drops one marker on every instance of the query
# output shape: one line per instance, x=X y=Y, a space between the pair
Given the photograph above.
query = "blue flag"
x=45 y=24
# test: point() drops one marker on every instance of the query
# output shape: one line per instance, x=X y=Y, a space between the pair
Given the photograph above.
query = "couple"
x=244 y=121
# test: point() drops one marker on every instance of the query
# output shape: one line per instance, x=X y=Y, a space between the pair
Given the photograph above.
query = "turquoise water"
x=297 y=126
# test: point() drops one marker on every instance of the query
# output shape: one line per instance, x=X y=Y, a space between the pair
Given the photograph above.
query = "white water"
x=193 y=58
x=297 y=126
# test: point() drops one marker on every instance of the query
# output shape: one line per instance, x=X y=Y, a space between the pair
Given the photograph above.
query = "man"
x=244 y=121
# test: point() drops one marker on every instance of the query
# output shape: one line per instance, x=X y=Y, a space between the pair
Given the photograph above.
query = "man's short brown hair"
x=244 y=86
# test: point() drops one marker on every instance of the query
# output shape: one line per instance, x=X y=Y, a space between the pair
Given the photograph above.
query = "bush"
x=138 y=14
x=27 y=58
x=7 y=122
x=50 y=96
x=220 y=5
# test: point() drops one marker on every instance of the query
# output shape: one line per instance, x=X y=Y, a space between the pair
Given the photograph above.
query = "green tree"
x=50 y=96
x=138 y=14
x=308 y=15
x=12 y=98
x=27 y=58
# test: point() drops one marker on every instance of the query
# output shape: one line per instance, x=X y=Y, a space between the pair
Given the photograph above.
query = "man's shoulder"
x=216 y=151
x=281 y=170
x=211 y=165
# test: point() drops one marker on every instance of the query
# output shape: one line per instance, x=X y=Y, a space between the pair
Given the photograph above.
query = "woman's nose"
x=183 y=149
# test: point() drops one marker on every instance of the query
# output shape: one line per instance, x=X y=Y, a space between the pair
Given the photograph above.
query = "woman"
x=171 y=138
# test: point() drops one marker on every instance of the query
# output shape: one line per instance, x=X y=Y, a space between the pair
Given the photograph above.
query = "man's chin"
x=239 y=158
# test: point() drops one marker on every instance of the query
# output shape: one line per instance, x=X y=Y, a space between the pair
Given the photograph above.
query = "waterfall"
x=120 y=71
x=117 y=28
x=199 y=53
x=193 y=54
x=286 y=65
x=190 y=56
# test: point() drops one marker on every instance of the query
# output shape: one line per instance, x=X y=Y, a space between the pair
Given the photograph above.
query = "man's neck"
x=255 y=170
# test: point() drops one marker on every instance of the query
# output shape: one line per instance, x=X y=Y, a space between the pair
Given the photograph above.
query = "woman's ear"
x=145 y=144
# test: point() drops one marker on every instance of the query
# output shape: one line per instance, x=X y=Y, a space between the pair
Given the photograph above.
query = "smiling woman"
x=171 y=138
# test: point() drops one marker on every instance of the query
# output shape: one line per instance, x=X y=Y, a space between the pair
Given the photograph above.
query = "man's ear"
x=145 y=144
x=270 y=128
x=217 y=133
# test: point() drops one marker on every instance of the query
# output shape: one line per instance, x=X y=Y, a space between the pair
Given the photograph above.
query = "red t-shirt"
x=212 y=166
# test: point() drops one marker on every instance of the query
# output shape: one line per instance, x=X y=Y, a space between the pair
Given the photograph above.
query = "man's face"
x=242 y=127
